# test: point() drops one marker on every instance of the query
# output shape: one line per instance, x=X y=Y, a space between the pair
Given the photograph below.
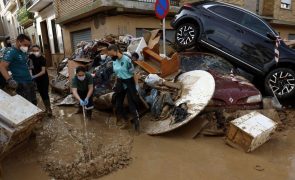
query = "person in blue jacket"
x=125 y=85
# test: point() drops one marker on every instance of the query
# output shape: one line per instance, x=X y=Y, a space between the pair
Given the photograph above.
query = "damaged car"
x=243 y=38
x=231 y=90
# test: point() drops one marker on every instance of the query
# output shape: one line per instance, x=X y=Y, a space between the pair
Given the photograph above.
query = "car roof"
x=225 y=4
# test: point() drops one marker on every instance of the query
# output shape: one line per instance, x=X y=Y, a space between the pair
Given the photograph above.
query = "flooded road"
x=172 y=156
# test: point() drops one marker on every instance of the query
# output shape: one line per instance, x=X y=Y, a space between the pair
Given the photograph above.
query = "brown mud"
x=60 y=147
x=58 y=151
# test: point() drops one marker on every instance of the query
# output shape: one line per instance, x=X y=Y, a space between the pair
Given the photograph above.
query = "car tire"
x=280 y=81
x=186 y=35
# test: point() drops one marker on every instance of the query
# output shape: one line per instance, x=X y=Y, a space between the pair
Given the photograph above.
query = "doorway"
x=45 y=43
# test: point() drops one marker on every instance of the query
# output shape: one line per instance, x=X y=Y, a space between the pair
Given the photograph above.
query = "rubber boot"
x=48 y=108
x=89 y=114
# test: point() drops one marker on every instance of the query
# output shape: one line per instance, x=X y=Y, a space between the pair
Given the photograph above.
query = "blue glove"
x=82 y=103
x=86 y=101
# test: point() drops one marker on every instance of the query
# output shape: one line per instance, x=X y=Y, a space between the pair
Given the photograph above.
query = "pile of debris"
x=163 y=89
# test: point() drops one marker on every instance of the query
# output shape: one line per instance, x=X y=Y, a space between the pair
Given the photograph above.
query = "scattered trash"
x=250 y=131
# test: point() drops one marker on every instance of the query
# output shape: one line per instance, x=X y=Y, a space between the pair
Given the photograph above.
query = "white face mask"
x=37 y=54
x=81 y=78
x=24 y=49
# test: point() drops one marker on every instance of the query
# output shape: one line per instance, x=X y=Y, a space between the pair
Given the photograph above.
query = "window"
x=291 y=37
x=255 y=24
x=228 y=12
x=286 y=4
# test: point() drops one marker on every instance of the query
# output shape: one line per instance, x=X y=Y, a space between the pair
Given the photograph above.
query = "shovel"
x=87 y=146
x=276 y=103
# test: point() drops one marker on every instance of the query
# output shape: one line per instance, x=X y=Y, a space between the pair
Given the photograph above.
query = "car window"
x=228 y=12
x=255 y=24
x=190 y=62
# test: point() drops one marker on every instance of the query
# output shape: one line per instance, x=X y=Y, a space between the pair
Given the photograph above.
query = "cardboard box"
x=250 y=131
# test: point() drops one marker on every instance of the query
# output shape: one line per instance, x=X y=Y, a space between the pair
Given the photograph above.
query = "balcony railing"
x=30 y=3
x=24 y=17
x=172 y=2
x=5 y=2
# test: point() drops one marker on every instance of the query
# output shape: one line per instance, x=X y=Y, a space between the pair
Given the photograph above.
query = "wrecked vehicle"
x=242 y=37
x=231 y=91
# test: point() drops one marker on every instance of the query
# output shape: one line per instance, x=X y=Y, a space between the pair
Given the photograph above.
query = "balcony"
x=37 y=5
x=24 y=17
x=9 y=5
x=71 y=10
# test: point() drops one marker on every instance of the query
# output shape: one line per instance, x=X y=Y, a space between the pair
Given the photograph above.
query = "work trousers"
x=133 y=99
x=27 y=90
x=43 y=88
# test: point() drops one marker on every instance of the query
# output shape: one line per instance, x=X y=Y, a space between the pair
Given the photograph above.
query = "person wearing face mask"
x=15 y=60
x=125 y=85
x=82 y=88
x=40 y=75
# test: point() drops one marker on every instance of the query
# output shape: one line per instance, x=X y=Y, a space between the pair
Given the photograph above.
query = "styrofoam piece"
x=256 y=127
x=198 y=89
x=15 y=110
x=137 y=45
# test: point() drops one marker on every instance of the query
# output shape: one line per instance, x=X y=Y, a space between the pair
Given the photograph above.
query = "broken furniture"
x=155 y=64
x=250 y=131
x=18 y=118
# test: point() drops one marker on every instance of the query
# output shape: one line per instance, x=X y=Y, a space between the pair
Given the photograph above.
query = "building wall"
x=284 y=31
x=284 y=14
x=48 y=15
x=65 y=7
x=117 y=25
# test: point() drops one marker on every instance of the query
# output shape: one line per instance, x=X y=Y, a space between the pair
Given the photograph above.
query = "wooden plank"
x=150 y=69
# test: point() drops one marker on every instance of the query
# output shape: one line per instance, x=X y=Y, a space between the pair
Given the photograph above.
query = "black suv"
x=240 y=36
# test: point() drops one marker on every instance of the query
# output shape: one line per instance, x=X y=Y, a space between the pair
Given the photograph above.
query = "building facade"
x=48 y=33
x=87 y=19
x=9 y=9
x=281 y=15
x=35 y=18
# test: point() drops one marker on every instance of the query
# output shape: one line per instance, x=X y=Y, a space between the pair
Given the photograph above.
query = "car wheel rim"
x=282 y=83
x=186 y=35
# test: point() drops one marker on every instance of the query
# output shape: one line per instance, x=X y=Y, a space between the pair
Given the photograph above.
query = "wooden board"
x=198 y=89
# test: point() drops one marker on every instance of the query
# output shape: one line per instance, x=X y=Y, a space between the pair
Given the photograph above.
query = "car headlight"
x=254 y=99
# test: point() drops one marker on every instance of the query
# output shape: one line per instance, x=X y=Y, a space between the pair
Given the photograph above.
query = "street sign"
x=162 y=8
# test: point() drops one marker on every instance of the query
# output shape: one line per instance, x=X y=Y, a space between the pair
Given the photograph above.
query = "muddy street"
x=57 y=151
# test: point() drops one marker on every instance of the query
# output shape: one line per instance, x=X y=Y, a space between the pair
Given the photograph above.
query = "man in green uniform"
x=82 y=88
x=15 y=60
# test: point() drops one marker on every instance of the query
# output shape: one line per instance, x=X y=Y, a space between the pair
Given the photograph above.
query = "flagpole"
x=164 y=36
